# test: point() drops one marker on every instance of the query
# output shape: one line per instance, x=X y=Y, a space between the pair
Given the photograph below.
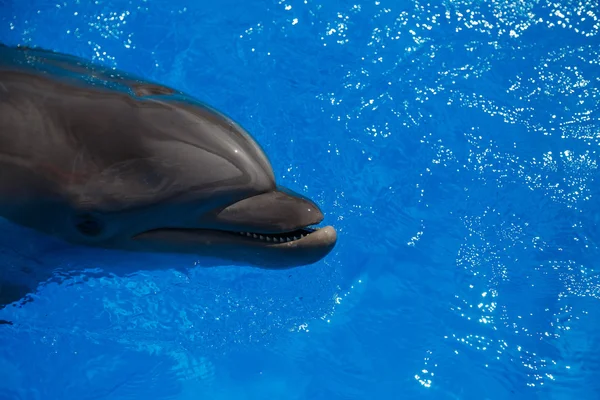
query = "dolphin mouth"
x=285 y=237
x=306 y=237
x=278 y=228
x=314 y=235
x=281 y=250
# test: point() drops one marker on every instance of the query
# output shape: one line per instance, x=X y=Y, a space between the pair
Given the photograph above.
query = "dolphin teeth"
x=276 y=239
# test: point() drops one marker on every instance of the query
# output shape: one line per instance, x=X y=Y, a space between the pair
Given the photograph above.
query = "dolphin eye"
x=89 y=225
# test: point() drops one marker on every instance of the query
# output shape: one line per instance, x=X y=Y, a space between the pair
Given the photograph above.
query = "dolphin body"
x=100 y=158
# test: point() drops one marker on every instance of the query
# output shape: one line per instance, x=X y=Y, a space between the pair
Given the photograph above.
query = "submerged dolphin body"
x=100 y=158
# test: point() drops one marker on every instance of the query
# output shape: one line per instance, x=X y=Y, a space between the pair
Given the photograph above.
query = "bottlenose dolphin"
x=101 y=158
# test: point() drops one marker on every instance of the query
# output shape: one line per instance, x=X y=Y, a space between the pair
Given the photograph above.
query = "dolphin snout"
x=272 y=212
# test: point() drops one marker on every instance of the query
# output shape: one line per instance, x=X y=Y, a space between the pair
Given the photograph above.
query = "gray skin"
x=100 y=158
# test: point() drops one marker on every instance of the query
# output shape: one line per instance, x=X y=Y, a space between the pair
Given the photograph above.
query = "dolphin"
x=101 y=158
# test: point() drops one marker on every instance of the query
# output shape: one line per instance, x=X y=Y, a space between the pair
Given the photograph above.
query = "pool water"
x=453 y=144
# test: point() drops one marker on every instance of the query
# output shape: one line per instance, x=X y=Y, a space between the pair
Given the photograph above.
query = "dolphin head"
x=138 y=166
x=209 y=189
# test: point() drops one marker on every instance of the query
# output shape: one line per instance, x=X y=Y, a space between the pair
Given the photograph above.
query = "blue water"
x=453 y=144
